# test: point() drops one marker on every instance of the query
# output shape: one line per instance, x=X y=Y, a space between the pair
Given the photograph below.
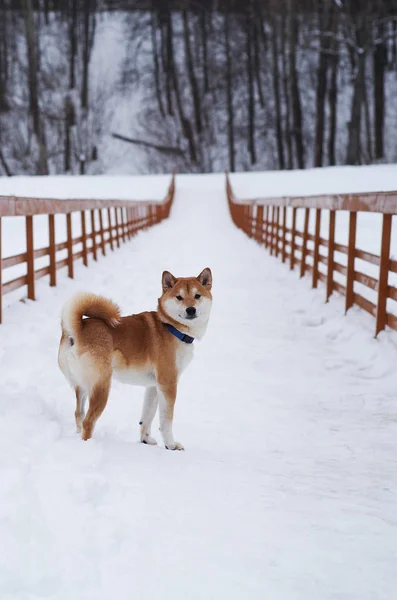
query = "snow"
x=308 y=182
x=287 y=489
x=99 y=187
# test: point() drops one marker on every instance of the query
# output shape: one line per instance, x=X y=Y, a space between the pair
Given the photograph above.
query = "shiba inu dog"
x=149 y=349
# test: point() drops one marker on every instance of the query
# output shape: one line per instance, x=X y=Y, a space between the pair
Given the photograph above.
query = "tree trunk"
x=185 y=123
x=153 y=25
x=190 y=70
x=285 y=79
x=4 y=164
x=333 y=99
x=353 y=156
x=69 y=115
x=166 y=45
x=258 y=31
x=379 y=66
x=86 y=54
x=3 y=57
x=204 y=42
x=394 y=45
x=276 y=93
x=229 y=92
x=295 y=94
x=33 y=85
x=321 y=91
x=72 y=43
x=69 y=121
x=251 y=96
x=367 y=121
x=46 y=11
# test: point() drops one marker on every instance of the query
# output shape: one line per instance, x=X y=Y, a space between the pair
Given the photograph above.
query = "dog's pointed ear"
x=205 y=278
x=168 y=281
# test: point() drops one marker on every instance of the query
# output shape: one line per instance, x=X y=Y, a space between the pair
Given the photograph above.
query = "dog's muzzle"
x=191 y=312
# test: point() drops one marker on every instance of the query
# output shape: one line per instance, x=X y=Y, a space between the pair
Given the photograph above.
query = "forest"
x=198 y=86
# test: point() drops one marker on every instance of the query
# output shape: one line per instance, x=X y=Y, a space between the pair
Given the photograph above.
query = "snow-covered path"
x=287 y=489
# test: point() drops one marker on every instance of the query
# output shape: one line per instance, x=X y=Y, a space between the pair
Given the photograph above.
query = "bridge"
x=288 y=412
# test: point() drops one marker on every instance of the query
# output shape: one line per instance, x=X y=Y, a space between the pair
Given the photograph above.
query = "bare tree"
x=325 y=17
x=295 y=92
x=250 y=82
x=379 y=67
x=31 y=48
x=229 y=96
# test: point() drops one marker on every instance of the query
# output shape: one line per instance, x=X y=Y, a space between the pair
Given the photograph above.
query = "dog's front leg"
x=167 y=396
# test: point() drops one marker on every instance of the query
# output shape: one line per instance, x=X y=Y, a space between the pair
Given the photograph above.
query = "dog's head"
x=187 y=301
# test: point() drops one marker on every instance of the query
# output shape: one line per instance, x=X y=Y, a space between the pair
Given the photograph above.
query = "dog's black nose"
x=191 y=311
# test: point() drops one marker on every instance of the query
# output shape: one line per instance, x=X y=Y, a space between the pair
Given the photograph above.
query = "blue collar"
x=181 y=336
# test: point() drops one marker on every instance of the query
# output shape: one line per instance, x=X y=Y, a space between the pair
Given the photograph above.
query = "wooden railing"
x=124 y=218
x=266 y=220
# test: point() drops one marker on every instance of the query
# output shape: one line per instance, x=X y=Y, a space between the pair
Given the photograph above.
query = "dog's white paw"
x=175 y=446
x=148 y=439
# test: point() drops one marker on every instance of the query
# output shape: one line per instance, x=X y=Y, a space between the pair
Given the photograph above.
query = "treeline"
x=222 y=84
x=314 y=83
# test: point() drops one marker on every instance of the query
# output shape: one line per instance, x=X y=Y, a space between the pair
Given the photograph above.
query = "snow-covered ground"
x=288 y=486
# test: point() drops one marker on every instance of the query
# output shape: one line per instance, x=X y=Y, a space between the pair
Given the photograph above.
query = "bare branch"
x=164 y=149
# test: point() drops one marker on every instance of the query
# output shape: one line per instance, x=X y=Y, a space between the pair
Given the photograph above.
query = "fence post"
x=127 y=223
x=110 y=229
x=277 y=230
x=246 y=220
x=293 y=230
x=1 y=279
x=102 y=232
x=84 y=238
x=93 y=234
x=350 y=260
x=316 y=247
x=128 y=212
x=284 y=257
x=304 y=241
x=52 y=251
x=117 y=226
x=122 y=223
x=259 y=224
x=383 y=274
x=69 y=244
x=331 y=250
x=30 y=257
x=273 y=209
x=264 y=228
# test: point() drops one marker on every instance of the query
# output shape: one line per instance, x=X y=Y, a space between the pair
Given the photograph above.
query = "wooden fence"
x=124 y=218
x=266 y=221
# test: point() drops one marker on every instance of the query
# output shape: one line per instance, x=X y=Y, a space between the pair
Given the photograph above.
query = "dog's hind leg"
x=81 y=397
x=98 y=399
x=148 y=411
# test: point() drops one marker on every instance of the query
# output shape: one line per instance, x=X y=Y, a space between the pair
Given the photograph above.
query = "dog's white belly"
x=135 y=377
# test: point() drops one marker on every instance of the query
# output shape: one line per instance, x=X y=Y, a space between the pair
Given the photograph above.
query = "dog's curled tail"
x=88 y=305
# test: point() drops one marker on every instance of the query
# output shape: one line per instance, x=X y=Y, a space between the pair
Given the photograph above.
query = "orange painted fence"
x=125 y=218
x=266 y=220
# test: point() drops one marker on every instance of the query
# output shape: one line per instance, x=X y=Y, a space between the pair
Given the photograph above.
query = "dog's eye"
x=179 y=298
x=197 y=296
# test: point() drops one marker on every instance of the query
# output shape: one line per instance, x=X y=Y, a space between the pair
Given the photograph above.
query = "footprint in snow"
x=313 y=321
